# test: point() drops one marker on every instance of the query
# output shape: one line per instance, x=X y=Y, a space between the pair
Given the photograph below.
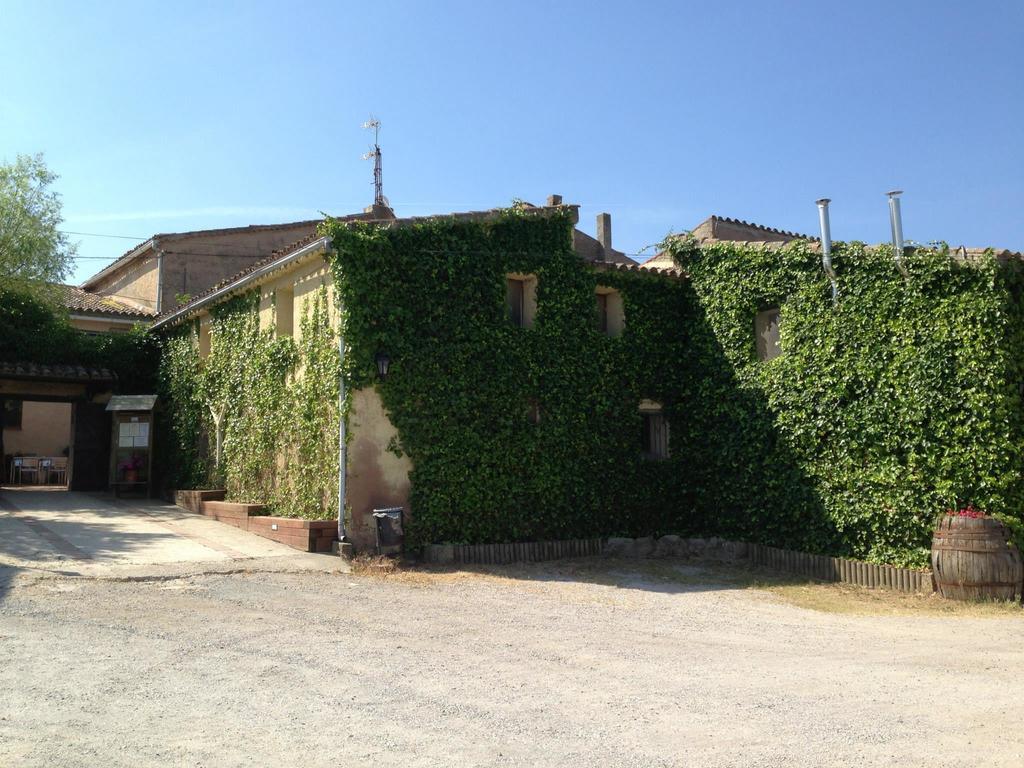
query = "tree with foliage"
x=33 y=251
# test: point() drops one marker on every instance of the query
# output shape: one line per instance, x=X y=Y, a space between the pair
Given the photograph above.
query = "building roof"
x=259 y=265
x=666 y=269
x=716 y=229
x=77 y=300
x=726 y=228
x=314 y=243
x=38 y=371
x=162 y=239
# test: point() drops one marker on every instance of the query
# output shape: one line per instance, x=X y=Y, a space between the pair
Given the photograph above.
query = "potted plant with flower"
x=129 y=468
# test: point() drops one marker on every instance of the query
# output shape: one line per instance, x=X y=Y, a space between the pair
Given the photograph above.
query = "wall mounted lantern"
x=383 y=363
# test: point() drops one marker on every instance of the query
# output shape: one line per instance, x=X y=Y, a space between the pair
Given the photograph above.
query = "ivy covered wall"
x=892 y=405
x=258 y=415
x=463 y=380
x=881 y=411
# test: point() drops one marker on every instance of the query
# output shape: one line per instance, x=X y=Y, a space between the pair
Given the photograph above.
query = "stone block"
x=643 y=547
x=618 y=547
x=670 y=546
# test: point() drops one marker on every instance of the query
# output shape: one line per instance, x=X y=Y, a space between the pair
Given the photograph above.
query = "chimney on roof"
x=604 y=230
x=554 y=200
x=896 y=224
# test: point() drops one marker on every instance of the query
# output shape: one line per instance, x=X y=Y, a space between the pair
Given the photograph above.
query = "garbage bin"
x=389 y=530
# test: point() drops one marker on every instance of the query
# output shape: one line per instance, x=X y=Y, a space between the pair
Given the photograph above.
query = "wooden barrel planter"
x=972 y=559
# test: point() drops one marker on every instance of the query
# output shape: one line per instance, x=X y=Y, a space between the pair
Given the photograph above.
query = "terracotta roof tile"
x=657 y=269
x=773 y=233
x=77 y=300
x=55 y=372
x=351 y=219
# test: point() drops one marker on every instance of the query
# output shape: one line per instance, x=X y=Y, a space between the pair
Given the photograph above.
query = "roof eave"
x=118 y=263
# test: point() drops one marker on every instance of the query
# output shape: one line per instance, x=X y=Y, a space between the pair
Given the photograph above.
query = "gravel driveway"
x=545 y=665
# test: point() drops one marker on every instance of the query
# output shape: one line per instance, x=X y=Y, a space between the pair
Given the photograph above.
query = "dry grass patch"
x=854 y=599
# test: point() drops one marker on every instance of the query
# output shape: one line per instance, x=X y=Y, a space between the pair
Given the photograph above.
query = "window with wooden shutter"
x=521 y=299
x=654 y=438
x=610 y=320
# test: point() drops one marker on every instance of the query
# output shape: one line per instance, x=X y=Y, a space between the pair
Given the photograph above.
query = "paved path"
x=54 y=529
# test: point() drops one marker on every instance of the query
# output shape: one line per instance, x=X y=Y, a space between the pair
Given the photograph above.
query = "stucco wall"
x=45 y=430
x=135 y=284
x=100 y=325
x=195 y=263
x=376 y=477
x=302 y=281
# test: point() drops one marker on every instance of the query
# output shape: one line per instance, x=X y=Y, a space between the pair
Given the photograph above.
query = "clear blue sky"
x=170 y=116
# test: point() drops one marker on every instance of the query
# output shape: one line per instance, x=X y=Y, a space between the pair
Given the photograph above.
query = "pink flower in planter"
x=132 y=462
x=968 y=511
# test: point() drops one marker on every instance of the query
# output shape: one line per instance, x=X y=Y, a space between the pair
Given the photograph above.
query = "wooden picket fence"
x=526 y=552
x=840 y=569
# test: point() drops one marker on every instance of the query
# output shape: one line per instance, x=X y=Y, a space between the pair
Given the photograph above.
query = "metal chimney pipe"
x=896 y=224
x=826 y=247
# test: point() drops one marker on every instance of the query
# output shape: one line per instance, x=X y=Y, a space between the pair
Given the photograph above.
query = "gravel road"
x=527 y=666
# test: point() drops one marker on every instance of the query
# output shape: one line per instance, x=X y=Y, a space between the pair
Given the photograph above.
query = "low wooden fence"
x=821 y=567
x=840 y=569
x=522 y=552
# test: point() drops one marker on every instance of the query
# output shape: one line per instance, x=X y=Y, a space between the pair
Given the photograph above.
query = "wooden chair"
x=26 y=465
x=59 y=469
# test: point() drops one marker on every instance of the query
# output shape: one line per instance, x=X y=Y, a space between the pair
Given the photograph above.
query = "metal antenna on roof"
x=378 y=180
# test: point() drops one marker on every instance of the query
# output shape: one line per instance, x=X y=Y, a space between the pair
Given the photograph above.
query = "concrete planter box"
x=304 y=535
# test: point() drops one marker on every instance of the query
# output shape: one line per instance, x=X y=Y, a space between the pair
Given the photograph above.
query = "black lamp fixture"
x=383 y=363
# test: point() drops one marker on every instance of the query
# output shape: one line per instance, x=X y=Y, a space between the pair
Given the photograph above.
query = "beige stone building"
x=154 y=275
x=286 y=281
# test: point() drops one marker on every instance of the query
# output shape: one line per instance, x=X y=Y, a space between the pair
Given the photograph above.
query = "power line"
x=264 y=254
x=96 y=234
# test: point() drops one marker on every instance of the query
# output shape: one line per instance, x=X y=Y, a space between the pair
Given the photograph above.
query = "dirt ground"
x=588 y=663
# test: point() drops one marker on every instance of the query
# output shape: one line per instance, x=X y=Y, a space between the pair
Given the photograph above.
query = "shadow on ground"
x=652 y=575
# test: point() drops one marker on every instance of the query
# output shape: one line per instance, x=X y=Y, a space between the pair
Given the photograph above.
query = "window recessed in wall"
x=533 y=411
x=653 y=431
x=766 y=333
x=284 y=311
x=204 y=337
x=521 y=299
x=610 y=316
x=10 y=417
